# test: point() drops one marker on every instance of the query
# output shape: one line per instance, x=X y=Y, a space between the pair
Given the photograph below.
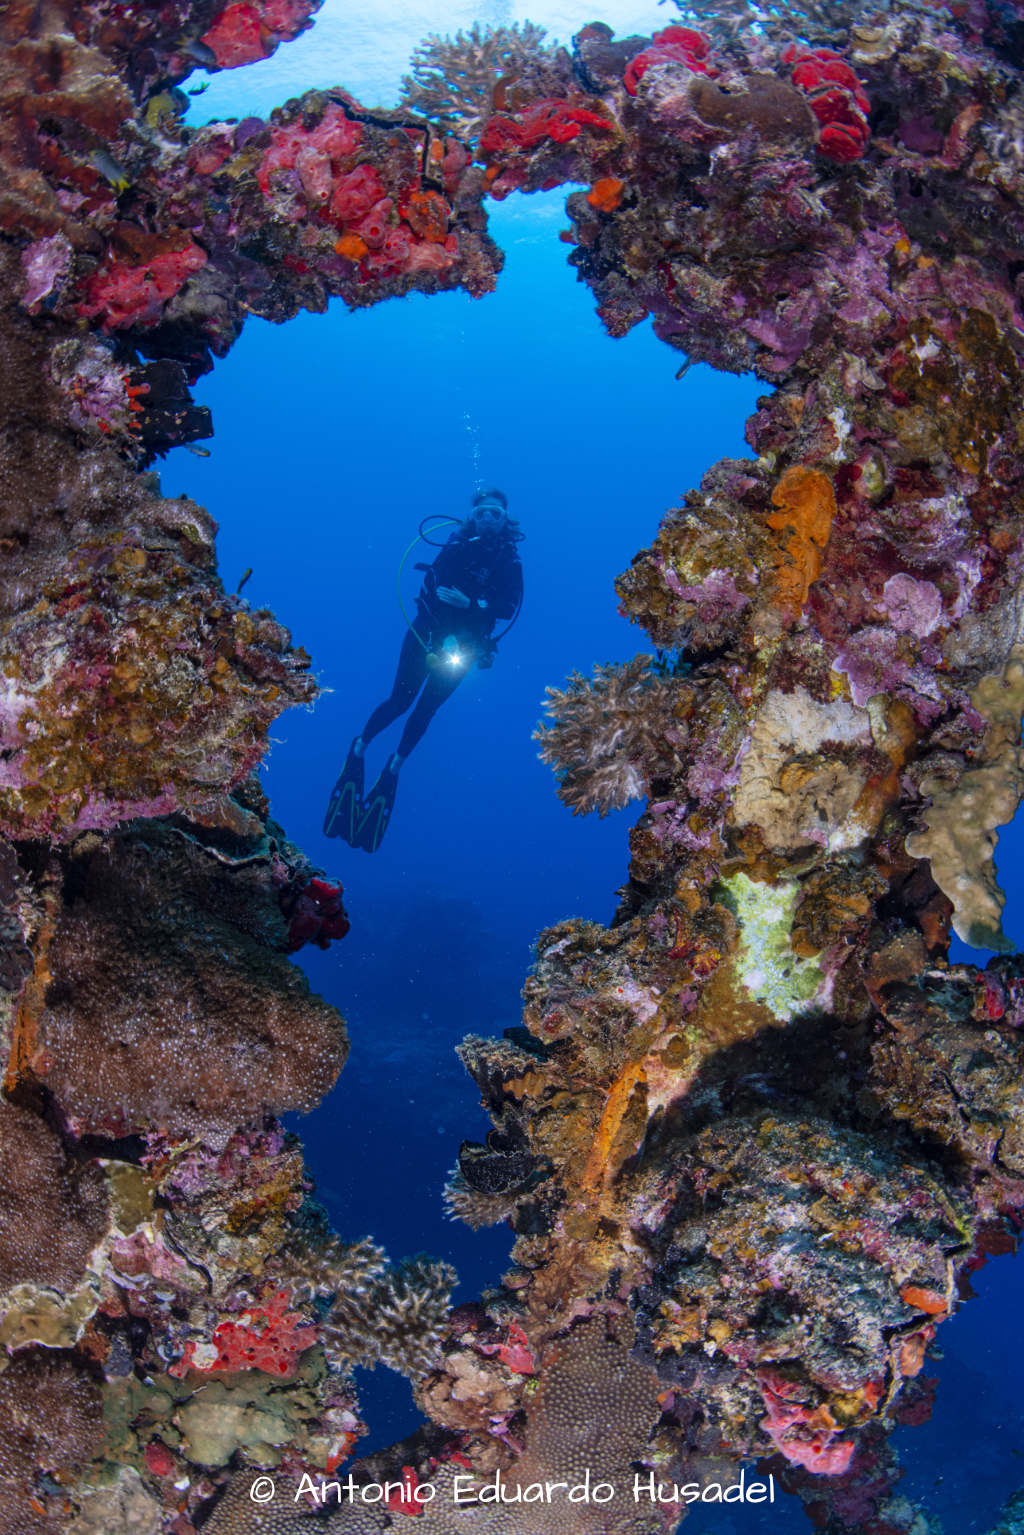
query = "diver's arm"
x=439 y=578
x=453 y=598
x=508 y=592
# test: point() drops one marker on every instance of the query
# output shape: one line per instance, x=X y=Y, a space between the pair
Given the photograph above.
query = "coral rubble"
x=752 y=1138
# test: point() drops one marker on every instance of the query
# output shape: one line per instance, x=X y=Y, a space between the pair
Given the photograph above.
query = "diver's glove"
x=453 y=597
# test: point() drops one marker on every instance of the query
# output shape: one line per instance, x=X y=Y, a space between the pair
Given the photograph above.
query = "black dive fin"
x=345 y=810
x=377 y=812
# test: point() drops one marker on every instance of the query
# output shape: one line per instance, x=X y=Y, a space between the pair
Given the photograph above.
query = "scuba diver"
x=474 y=583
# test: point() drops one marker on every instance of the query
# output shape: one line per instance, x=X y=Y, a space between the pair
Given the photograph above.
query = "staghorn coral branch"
x=461 y=78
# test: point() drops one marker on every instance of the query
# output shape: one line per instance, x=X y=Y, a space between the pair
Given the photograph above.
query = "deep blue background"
x=335 y=434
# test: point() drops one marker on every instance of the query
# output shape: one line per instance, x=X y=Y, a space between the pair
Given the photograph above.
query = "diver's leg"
x=346 y=812
x=381 y=799
x=344 y=808
x=441 y=684
x=412 y=668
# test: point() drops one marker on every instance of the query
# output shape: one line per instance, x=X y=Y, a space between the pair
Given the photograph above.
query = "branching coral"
x=469 y=77
x=396 y=1319
x=378 y=1312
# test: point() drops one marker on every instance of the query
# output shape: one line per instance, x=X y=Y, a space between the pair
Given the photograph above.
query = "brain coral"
x=594 y=1409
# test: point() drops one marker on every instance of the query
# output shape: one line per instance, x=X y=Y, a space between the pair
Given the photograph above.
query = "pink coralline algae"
x=100 y=394
x=315 y=154
x=47 y=265
x=806 y=1436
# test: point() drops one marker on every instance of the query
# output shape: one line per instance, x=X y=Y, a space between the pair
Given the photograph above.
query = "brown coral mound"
x=50 y=1425
x=164 y=1010
x=595 y=1409
x=52 y=1213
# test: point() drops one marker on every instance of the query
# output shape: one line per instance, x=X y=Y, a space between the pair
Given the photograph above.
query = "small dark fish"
x=201 y=52
x=197 y=90
x=245 y=576
x=110 y=170
x=199 y=452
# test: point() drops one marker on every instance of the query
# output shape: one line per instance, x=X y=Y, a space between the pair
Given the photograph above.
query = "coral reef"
x=738 y=1095
x=51 y=1426
x=1011 y=1518
x=216 y=953
x=463 y=80
x=614 y=737
x=753 y=1137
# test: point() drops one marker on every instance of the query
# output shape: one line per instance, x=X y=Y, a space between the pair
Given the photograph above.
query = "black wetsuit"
x=485 y=568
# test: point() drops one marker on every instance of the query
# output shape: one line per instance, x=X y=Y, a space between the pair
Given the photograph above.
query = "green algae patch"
x=765 y=961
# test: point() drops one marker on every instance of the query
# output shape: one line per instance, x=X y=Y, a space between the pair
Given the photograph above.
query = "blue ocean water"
x=335 y=435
